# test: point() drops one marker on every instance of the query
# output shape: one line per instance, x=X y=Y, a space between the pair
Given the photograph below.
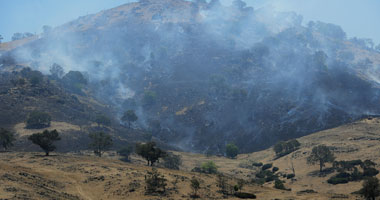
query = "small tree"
x=6 y=138
x=320 y=154
x=232 y=150
x=150 y=152
x=102 y=120
x=100 y=142
x=172 y=161
x=38 y=120
x=125 y=152
x=45 y=140
x=129 y=116
x=155 y=182
x=195 y=186
x=56 y=71
x=371 y=188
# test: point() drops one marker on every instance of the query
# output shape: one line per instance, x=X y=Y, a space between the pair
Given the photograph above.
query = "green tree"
x=371 y=188
x=6 y=138
x=129 y=116
x=38 y=120
x=209 y=167
x=100 y=142
x=45 y=140
x=232 y=150
x=320 y=154
x=150 y=152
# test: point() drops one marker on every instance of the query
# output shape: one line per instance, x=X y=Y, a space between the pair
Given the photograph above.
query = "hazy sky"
x=359 y=18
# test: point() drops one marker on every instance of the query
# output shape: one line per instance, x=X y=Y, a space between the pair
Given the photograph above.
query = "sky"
x=358 y=18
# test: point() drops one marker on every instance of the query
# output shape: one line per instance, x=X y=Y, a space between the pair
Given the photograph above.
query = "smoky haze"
x=202 y=74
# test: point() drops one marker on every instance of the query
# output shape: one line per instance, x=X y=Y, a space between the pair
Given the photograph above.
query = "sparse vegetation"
x=320 y=154
x=6 y=138
x=45 y=140
x=155 y=182
x=100 y=142
x=38 y=120
x=232 y=150
x=150 y=152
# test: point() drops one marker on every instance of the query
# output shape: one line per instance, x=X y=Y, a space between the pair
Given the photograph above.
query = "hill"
x=81 y=176
x=197 y=72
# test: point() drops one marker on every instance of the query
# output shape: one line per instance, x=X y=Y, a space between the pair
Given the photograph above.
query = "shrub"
x=279 y=185
x=232 y=150
x=100 y=142
x=289 y=176
x=38 y=120
x=45 y=140
x=209 y=167
x=172 y=161
x=335 y=180
x=245 y=195
x=275 y=169
x=6 y=138
x=195 y=186
x=257 y=164
x=370 y=172
x=266 y=166
x=155 y=182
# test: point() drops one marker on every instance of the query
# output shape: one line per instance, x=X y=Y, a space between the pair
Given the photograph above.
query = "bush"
x=172 y=161
x=195 y=186
x=155 y=182
x=289 y=176
x=232 y=150
x=279 y=185
x=266 y=166
x=335 y=180
x=257 y=164
x=245 y=195
x=370 y=172
x=275 y=169
x=38 y=120
x=209 y=167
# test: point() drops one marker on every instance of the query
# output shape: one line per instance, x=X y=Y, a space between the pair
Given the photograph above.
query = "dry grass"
x=59 y=126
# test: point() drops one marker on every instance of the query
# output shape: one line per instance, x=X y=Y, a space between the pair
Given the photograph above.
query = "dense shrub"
x=245 y=195
x=284 y=148
x=370 y=172
x=125 y=152
x=209 y=167
x=6 y=138
x=232 y=150
x=259 y=164
x=172 y=161
x=335 y=180
x=289 y=176
x=38 y=120
x=278 y=184
x=275 y=169
x=266 y=166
